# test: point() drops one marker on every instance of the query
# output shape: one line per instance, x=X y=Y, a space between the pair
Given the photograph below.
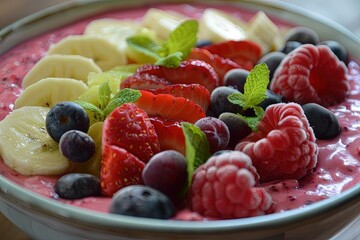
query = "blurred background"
x=345 y=12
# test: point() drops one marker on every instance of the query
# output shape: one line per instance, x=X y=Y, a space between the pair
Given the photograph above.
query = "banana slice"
x=92 y=166
x=26 y=147
x=162 y=22
x=218 y=26
x=105 y=54
x=62 y=66
x=264 y=32
x=49 y=91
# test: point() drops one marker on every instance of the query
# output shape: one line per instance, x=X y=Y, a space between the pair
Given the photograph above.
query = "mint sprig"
x=170 y=53
x=197 y=148
x=254 y=93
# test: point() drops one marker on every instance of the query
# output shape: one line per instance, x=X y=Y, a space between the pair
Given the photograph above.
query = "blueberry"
x=302 y=35
x=324 y=122
x=166 y=171
x=66 y=116
x=236 y=78
x=338 y=49
x=203 y=43
x=237 y=126
x=220 y=103
x=142 y=201
x=272 y=60
x=77 y=185
x=77 y=146
x=290 y=46
x=272 y=98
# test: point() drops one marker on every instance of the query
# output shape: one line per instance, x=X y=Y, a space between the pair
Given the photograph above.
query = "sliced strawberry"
x=220 y=64
x=144 y=81
x=170 y=134
x=194 y=92
x=129 y=127
x=168 y=106
x=192 y=71
x=245 y=53
x=119 y=169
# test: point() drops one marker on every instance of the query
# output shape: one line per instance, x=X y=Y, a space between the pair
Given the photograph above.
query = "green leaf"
x=104 y=94
x=173 y=60
x=197 y=148
x=237 y=98
x=144 y=45
x=183 y=38
x=256 y=85
x=125 y=95
x=94 y=113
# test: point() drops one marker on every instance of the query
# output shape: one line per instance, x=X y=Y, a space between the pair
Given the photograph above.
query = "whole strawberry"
x=225 y=187
x=283 y=146
x=311 y=74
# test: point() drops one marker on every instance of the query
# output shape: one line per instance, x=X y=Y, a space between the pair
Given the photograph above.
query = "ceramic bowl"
x=43 y=218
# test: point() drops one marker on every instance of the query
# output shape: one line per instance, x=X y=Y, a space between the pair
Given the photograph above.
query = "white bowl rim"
x=43 y=204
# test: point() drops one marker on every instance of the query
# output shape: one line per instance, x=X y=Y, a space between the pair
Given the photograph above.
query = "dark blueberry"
x=272 y=98
x=220 y=102
x=237 y=126
x=203 y=43
x=236 y=78
x=338 y=49
x=302 y=35
x=66 y=116
x=216 y=131
x=77 y=146
x=220 y=152
x=166 y=171
x=272 y=60
x=77 y=185
x=324 y=123
x=142 y=201
x=290 y=46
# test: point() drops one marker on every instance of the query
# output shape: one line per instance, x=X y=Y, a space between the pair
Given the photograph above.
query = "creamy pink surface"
x=338 y=166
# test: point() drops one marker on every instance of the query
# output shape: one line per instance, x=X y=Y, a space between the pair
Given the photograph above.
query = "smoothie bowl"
x=153 y=82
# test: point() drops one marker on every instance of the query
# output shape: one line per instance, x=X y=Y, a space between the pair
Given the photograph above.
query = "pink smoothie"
x=338 y=165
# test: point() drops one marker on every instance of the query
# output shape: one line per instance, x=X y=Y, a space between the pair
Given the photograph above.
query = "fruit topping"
x=302 y=35
x=338 y=49
x=272 y=60
x=166 y=171
x=226 y=187
x=324 y=122
x=77 y=185
x=144 y=81
x=76 y=146
x=236 y=78
x=119 y=169
x=311 y=74
x=129 y=127
x=216 y=131
x=168 y=106
x=65 y=116
x=220 y=103
x=284 y=145
x=142 y=201
x=289 y=46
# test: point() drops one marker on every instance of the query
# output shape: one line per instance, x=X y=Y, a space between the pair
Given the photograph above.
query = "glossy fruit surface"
x=302 y=35
x=272 y=60
x=142 y=201
x=236 y=78
x=66 y=116
x=220 y=102
x=76 y=146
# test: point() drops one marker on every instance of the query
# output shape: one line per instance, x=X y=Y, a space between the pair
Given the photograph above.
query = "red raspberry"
x=311 y=74
x=284 y=145
x=224 y=188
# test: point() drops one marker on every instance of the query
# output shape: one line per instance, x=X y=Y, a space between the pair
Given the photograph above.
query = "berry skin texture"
x=311 y=74
x=129 y=127
x=77 y=146
x=284 y=145
x=119 y=169
x=225 y=187
x=142 y=201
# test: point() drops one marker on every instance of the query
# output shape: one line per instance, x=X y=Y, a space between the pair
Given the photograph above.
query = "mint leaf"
x=183 y=38
x=173 y=60
x=125 y=95
x=197 y=148
x=144 y=45
x=104 y=94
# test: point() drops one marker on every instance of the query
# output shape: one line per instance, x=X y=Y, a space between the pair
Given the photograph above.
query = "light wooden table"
x=334 y=9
